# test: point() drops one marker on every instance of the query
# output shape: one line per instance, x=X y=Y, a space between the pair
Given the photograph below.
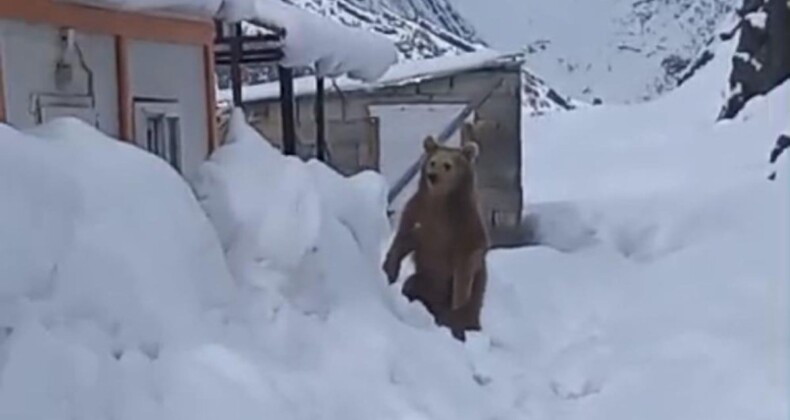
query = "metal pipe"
x=320 y=133
x=287 y=110
x=235 y=64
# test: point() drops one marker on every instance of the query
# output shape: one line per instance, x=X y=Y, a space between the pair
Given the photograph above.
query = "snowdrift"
x=662 y=288
x=338 y=342
x=125 y=295
x=106 y=259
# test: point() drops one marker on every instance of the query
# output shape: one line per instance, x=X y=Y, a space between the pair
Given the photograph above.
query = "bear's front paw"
x=392 y=269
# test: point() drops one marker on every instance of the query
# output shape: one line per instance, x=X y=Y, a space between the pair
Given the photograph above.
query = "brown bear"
x=442 y=226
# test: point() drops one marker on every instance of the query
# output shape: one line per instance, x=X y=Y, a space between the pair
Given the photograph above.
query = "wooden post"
x=287 y=110
x=209 y=74
x=3 y=116
x=125 y=111
x=320 y=133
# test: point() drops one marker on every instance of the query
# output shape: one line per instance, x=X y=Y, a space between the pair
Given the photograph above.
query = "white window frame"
x=164 y=110
x=46 y=107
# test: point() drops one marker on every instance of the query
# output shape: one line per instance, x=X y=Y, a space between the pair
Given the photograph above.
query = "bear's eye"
x=447 y=166
x=433 y=164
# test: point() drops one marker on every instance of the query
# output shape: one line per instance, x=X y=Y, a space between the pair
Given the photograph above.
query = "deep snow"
x=118 y=301
x=661 y=292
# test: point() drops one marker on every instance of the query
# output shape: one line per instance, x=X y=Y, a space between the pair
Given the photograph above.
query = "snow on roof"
x=331 y=48
x=195 y=8
x=399 y=74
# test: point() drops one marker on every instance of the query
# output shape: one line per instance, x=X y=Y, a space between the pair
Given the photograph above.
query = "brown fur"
x=442 y=226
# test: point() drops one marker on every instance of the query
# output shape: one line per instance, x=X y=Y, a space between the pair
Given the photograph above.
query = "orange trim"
x=211 y=96
x=127 y=24
x=125 y=123
x=2 y=91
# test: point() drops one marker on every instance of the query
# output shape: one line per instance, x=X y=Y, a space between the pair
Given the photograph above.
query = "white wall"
x=174 y=71
x=29 y=53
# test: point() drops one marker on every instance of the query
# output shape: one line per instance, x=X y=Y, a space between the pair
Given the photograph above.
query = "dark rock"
x=726 y=36
x=769 y=47
x=554 y=96
x=782 y=143
x=674 y=64
x=700 y=62
x=749 y=6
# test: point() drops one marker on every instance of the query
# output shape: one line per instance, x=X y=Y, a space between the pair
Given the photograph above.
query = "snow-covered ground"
x=662 y=292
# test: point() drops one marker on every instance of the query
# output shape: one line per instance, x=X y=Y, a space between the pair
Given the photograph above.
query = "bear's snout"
x=432 y=178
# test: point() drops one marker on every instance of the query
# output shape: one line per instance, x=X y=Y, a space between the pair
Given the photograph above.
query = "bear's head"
x=448 y=169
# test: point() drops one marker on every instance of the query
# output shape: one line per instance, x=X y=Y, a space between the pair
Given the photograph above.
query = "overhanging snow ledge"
x=311 y=40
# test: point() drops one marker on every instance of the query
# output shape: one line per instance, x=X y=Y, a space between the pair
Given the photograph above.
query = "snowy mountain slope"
x=619 y=51
x=441 y=13
x=415 y=37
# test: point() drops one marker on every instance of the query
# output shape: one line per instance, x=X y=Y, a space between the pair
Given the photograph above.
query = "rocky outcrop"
x=782 y=143
x=762 y=58
x=439 y=13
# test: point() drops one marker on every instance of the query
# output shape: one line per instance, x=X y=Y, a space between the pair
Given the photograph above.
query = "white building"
x=142 y=75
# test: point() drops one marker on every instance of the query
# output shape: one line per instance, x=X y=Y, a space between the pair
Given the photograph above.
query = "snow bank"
x=336 y=331
x=105 y=253
x=236 y=187
x=663 y=291
x=116 y=300
x=331 y=48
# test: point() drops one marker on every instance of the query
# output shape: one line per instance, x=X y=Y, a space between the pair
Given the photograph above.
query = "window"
x=48 y=106
x=158 y=130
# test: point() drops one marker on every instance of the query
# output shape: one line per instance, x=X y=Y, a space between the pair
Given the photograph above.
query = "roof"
x=400 y=74
x=311 y=40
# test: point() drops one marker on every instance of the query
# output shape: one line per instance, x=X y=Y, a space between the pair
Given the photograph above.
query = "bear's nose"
x=432 y=178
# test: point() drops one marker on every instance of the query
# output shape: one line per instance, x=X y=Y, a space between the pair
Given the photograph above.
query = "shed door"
x=353 y=145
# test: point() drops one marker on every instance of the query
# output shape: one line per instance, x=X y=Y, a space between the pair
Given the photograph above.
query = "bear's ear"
x=467 y=133
x=430 y=145
x=470 y=151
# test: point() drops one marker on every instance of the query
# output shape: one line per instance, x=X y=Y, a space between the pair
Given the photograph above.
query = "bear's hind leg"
x=459 y=334
x=411 y=288
x=418 y=288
